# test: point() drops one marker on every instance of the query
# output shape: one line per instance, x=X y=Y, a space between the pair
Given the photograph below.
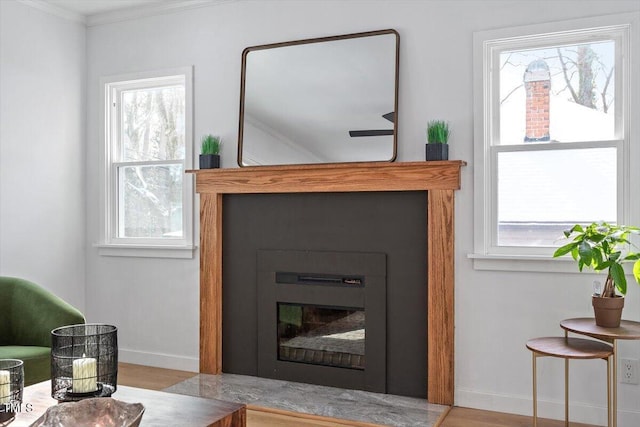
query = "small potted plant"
x=602 y=246
x=210 y=152
x=437 y=138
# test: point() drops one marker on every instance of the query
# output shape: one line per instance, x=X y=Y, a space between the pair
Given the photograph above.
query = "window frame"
x=110 y=243
x=487 y=47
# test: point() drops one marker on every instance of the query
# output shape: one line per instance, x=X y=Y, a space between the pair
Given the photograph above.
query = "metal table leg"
x=609 y=391
x=615 y=383
x=535 y=391
x=566 y=392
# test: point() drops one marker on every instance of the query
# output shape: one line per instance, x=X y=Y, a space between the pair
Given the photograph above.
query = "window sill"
x=531 y=263
x=146 y=251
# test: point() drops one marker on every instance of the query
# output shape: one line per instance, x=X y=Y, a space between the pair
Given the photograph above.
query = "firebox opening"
x=329 y=336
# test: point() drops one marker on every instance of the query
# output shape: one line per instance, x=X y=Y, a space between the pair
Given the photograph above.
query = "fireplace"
x=438 y=180
x=322 y=318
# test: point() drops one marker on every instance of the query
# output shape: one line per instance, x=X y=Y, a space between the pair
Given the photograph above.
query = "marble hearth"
x=361 y=406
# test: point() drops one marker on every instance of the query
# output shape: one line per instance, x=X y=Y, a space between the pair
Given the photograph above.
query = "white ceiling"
x=92 y=7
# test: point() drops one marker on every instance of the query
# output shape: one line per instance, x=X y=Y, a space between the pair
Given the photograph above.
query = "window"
x=552 y=135
x=148 y=145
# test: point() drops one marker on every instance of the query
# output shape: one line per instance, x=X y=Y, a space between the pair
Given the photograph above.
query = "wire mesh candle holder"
x=11 y=386
x=84 y=362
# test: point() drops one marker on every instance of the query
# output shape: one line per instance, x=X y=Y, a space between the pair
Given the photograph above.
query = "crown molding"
x=149 y=10
x=55 y=10
x=121 y=14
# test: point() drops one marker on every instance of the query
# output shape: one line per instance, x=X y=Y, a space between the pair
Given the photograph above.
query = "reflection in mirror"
x=328 y=100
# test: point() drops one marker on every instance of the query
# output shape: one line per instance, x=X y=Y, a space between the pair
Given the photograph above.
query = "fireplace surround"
x=439 y=179
x=391 y=224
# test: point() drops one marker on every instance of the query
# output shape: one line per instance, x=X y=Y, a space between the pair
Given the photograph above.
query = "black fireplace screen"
x=319 y=335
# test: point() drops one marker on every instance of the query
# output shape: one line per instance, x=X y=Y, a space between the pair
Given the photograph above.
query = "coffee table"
x=161 y=409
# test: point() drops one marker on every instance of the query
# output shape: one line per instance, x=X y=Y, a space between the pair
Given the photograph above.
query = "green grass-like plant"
x=210 y=144
x=437 y=132
x=601 y=246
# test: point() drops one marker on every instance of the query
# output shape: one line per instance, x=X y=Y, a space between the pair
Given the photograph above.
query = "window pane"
x=153 y=126
x=540 y=193
x=150 y=203
x=559 y=93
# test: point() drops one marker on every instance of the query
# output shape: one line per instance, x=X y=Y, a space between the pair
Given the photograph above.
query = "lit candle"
x=5 y=387
x=84 y=375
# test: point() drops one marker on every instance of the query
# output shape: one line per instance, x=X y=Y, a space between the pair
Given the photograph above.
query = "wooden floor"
x=158 y=379
x=465 y=417
x=150 y=378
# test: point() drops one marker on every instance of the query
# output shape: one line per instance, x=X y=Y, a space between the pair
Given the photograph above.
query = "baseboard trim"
x=522 y=405
x=159 y=360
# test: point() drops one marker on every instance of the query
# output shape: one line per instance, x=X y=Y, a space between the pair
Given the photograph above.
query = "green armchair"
x=28 y=314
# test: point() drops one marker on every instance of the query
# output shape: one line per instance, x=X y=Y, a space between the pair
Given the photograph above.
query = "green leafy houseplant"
x=210 y=152
x=437 y=138
x=602 y=246
x=437 y=132
x=210 y=145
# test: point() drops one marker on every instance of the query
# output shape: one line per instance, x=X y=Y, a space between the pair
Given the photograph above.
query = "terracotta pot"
x=608 y=311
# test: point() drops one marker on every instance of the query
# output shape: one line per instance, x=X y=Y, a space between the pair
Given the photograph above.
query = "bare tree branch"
x=506 y=61
x=566 y=77
x=510 y=93
x=603 y=94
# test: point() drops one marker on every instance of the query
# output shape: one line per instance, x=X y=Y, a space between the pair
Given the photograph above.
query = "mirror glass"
x=326 y=100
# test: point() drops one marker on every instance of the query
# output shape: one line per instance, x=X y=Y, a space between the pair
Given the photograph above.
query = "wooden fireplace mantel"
x=439 y=179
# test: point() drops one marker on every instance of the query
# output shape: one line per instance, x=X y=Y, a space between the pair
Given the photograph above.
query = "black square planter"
x=437 y=151
x=209 y=161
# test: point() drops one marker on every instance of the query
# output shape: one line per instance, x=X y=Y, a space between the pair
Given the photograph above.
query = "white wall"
x=155 y=302
x=42 y=150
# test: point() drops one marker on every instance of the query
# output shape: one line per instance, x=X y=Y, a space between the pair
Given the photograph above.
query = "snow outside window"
x=148 y=146
x=552 y=139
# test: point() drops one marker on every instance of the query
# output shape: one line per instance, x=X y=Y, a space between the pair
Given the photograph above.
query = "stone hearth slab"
x=383 y=409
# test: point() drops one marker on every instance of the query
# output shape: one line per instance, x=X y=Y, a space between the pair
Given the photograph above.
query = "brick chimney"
x=537 y=83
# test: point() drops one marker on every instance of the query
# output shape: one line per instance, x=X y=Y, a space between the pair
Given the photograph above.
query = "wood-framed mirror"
x=323 y=100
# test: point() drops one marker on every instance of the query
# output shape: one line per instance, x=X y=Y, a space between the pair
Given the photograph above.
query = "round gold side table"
x=568 y=348
x=628 y=330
